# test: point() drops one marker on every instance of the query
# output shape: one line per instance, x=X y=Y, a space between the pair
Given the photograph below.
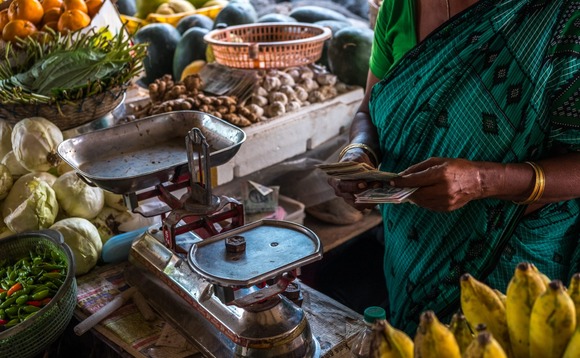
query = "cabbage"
x=115 y=201
x=77 y=198
x=108 y=221
x=6 y=181
x=5 y=138
x=37 y=211
x=14 y=166
x=21 y=190
x=84 y=241
x=34 y=143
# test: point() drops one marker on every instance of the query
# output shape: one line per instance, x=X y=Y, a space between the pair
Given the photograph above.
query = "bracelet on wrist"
x=539 y=185
x=372 y=155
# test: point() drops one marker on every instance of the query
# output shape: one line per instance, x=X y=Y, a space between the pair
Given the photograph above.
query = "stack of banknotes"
x=362 y=171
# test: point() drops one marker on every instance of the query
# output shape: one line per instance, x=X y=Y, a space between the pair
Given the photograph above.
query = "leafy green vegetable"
x=62 y=68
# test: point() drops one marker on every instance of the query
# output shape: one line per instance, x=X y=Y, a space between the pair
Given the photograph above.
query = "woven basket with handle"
x=66 y=115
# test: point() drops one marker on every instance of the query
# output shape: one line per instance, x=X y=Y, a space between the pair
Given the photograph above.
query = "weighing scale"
x=228 y=287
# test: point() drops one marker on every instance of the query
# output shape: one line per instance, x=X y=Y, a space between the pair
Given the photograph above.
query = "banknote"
x=355 y=171
x=387 y=194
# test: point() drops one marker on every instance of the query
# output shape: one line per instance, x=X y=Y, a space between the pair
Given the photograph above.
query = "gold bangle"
x=364 y=147
x=539 y=185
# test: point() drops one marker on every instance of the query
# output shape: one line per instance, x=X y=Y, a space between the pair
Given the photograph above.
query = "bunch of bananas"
x=535 y=318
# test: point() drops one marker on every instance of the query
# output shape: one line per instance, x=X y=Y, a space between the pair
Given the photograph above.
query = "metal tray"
x=273 y=247
x=133 y=156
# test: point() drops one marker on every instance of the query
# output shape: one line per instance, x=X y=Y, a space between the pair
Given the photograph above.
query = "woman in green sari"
x=476 y=104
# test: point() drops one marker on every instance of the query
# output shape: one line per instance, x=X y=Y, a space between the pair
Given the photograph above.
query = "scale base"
x=184 y=299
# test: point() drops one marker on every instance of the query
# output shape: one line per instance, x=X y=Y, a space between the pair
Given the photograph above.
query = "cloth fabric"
x=498 y=82
x=395 y=35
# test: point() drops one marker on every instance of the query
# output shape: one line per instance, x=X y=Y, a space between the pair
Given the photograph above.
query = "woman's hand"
x=444 y=184
x=346 y=189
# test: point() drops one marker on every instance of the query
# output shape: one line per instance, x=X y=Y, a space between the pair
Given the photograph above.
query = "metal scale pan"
x=272 y=247
x=137 y=155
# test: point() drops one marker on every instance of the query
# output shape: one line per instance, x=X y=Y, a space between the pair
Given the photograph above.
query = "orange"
x=3 y=19
x=30 y=10
x=18 y=28
x=51 y=15
x=94 y=6
x=49 y=4
x=76 y=5
x=72 y=20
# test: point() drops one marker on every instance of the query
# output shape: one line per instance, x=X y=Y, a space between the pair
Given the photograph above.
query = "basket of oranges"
x=69 y=79
x=23 y=18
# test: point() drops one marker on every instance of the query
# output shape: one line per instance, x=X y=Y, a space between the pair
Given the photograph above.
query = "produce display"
x=346 y=55
x=41 y=192
x=138 y=13
x=275 y=93
x=536 y=317
x=28 y=284
x=67 y=71
x=24 y=18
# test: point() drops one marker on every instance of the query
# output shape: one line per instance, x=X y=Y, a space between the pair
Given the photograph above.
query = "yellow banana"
x=393 y=343
x=433 y=339
x=480 y=304
x=552 y=322
x=573 y=347
x=544 y=277
x=522 y=291
x=502 y=297
x=574 y=292
x=484 y=346
x=461 y=331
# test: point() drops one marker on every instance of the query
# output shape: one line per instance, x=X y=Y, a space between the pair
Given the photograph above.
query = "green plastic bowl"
x=34 y=335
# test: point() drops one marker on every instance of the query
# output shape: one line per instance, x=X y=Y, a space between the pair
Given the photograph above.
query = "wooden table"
x=332 y=235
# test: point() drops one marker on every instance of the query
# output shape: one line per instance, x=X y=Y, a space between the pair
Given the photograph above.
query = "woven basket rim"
x=325 y=34
x=57 y=240
x=69 y=114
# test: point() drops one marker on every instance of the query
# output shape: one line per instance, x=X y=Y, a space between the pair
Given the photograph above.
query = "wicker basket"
x=32 y=336
x=66 y=116
x=268 y=45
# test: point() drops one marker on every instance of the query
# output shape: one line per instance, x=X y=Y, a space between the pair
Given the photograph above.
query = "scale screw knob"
x=235 y=244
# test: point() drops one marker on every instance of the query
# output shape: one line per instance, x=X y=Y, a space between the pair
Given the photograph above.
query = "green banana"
x=552 y=322
x=484 y=346
x=434 y=339
x=573 y=347
x=461 y=331
x=574 y=292
x=392 y=343
x=480 y=304
x=522 y=291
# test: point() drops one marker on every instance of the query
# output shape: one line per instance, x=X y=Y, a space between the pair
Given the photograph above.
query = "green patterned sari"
x=499 y=82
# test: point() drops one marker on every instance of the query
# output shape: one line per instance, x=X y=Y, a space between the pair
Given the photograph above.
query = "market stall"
x=143 y=151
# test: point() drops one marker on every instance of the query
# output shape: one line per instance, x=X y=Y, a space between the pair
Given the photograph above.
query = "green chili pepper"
x=40 y=288
x=22 y=299
x=12 y=322
x=12 y=311
x=2 y=314
x=30 y=308
x=52 y=275
x=29 y=315
x=9 y=301
x=38 y=295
